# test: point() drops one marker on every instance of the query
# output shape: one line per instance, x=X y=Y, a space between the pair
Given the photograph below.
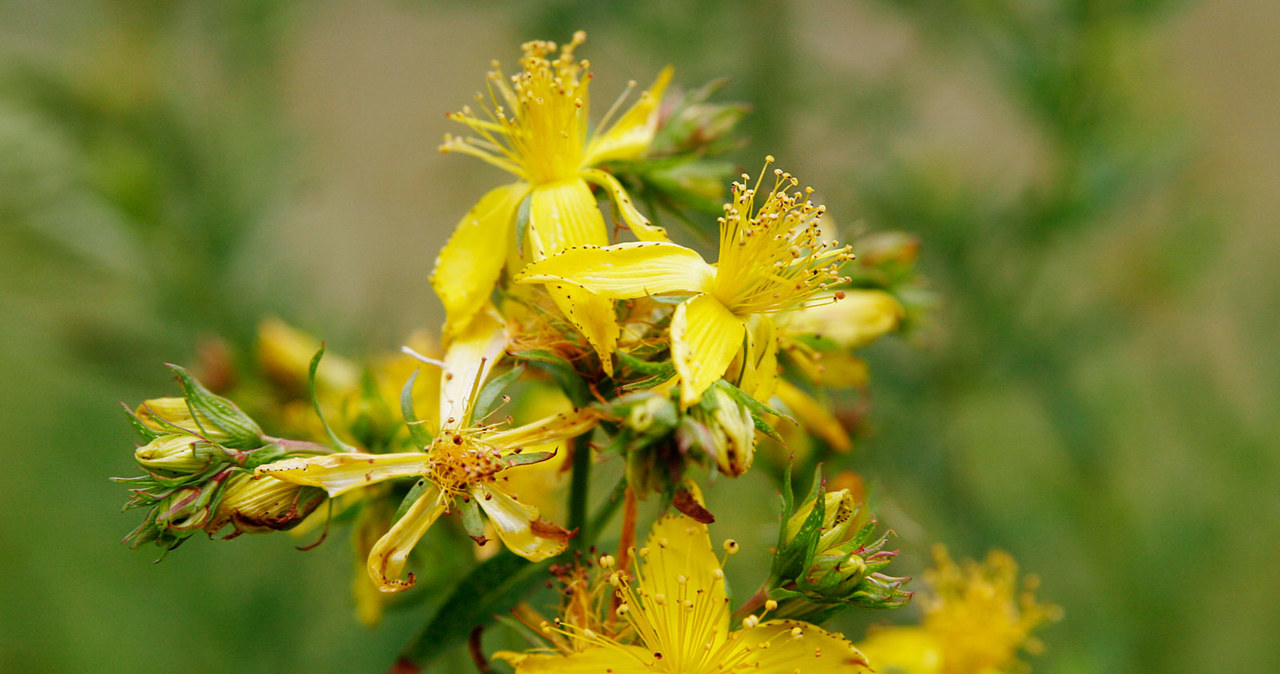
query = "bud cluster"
x=198 y=458
x=829 y=557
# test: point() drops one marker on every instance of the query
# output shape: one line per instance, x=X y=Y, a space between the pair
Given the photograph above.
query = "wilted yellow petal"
x=704 y=339
x=389 y=554
x=813 y=415
x=469 y=264
x=625 y=270
x=340 y=473
x=518 y=525
x=795 y=646
x=631 y=135
x=637 y=223
x=562 y=215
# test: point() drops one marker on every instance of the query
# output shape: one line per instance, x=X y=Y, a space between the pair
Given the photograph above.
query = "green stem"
x=579 y=486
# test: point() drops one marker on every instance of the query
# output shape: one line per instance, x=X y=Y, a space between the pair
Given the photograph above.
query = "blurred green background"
x=1094 y=183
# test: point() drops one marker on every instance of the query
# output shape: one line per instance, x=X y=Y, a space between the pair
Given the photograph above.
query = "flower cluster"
x=570 y=340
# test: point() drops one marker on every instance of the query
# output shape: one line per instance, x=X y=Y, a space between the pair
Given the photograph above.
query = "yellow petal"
x=469 y=264
x=467 y=362
x=616 y=658
x=830 y=368
x=593 y=316
x=705 y=336
x=555 y=427
x=625 y=270
x=631 y=135
x=340 y=473
x=903 y=650
x=518 y=525
x=813 y=416
x=795 y=646
x=760 y=358
x=678 y=565
x=637 y=223
x=389 y=554
x=562 y=215
x=858 y=319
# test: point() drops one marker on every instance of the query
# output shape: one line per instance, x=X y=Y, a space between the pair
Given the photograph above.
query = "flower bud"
x=833 y=573
x=177 y=454
x=730 y=437
x=838 y=514
x=169 y=415
x=259 y=504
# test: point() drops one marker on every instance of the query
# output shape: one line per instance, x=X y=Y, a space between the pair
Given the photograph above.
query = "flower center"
x=773 y=258
x=536 y=124
x=459 y=461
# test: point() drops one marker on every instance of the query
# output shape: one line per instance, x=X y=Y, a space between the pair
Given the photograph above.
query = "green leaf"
x=418 y=431
x=488 y=398
x=562 y=371
x=315 y=402
x=494 y=587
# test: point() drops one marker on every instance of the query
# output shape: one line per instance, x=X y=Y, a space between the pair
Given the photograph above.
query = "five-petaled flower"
x=674 y=617
x=462 y=468
x=534 y=125
x=773 y=259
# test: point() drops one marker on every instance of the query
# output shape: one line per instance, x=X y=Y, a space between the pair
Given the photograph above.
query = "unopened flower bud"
x=724 y=429
x=833 y=572
x=838 y=513
x=177 y=454
x=169 y=415
x=258 y=504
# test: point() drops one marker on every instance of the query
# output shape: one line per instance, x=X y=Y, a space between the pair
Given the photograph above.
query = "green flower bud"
x=178 y=454
x=175 y=415
x=730 y=432
x=834 y=572
x=218 y=415
x=838 y=515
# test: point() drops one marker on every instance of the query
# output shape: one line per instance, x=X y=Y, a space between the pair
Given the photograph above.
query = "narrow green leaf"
x=562 y=371
x=315 y=402
x=418 y=431
x=489 y=396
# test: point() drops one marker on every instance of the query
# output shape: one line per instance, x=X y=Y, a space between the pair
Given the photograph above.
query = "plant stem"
x=579 y=485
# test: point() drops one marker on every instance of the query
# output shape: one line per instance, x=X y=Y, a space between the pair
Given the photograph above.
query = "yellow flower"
x=534 y=125
x=465 y=462
x=975 y=622
x=773 y=259
x=675 y=618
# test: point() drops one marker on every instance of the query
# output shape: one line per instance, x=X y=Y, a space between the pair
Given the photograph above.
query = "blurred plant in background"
x=1090 y=389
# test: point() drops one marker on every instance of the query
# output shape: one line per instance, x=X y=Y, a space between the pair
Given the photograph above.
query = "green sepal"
x=472 y=522
x=487 y=399
x=661 y=368
x=526 y=458
x=418 y=431
x=794 y=555
x=244 y=432
x=562 y=371
x=755 y=408
x=145 y=432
